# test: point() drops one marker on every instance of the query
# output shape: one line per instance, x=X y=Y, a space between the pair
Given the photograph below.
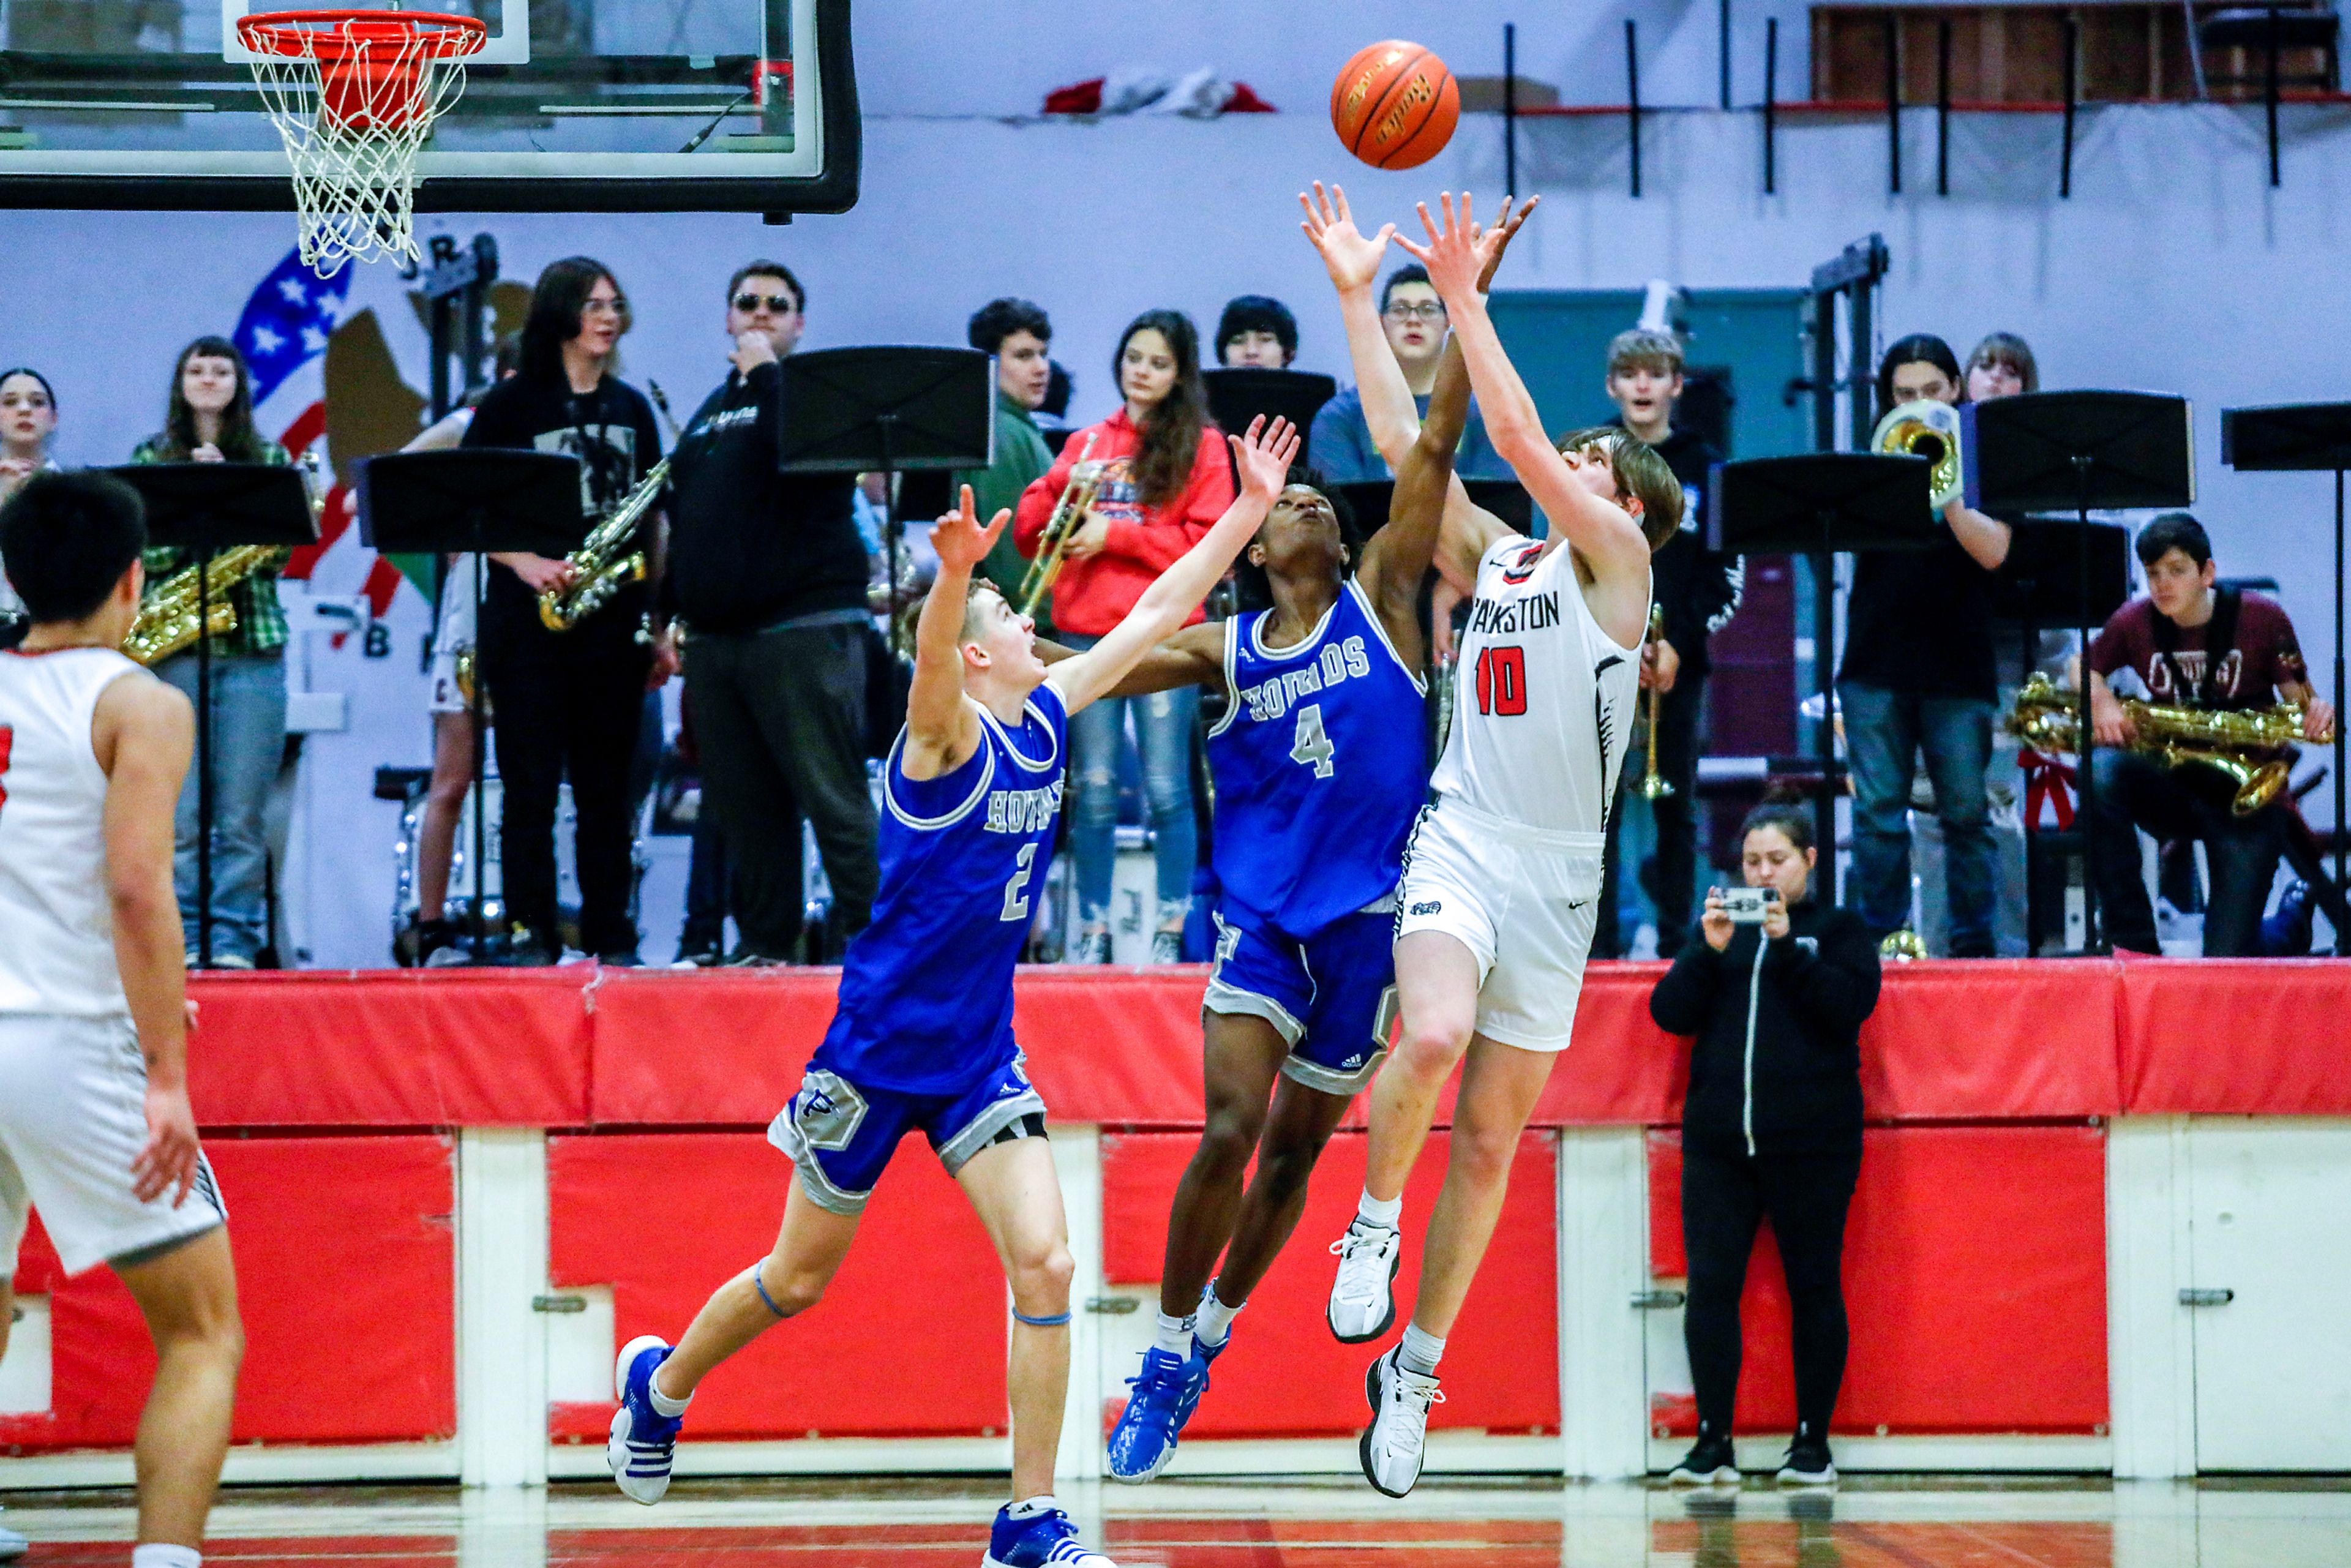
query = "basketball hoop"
x=354 y=94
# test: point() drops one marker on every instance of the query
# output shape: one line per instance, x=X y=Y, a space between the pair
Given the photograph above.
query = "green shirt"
x=261 y=625
x=1021 y=458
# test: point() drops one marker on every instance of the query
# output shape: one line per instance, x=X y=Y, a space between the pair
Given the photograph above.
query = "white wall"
x=2173 y=268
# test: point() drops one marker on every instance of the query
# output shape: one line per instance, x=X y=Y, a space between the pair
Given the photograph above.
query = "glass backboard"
x=572 y=106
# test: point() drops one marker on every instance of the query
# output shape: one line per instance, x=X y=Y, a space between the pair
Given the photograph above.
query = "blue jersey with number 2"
x=926 y=990
x=1321 y=764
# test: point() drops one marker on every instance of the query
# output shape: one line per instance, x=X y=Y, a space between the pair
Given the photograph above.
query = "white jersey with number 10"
x=1543 y=708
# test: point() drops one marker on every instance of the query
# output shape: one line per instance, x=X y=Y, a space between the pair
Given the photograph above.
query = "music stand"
x=203 y=508
x=2040 y=584
x=2302 y=438
x=2072 y=451
x=1241 y=393
x=887 y=409
x=473 y=501
x=1821 y=505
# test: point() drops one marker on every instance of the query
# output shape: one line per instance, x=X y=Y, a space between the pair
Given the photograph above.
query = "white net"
x=354 y=96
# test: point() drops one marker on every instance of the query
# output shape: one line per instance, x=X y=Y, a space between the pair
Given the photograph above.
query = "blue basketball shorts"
x=840 y=1135
x=1331 y=996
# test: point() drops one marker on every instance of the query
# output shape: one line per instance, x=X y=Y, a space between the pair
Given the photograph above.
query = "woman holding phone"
x=1775 y=996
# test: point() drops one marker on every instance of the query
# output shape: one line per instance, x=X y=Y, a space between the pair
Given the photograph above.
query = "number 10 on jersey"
x=1503 y=681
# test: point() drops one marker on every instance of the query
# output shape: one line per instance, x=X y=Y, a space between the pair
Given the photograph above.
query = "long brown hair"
x=1171 y=431
x=557 y=301
x=238 y=441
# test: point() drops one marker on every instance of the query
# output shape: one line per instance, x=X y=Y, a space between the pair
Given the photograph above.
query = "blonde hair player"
x=1496 y=908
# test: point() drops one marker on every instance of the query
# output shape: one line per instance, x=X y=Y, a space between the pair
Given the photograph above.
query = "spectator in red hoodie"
x=1167 y=479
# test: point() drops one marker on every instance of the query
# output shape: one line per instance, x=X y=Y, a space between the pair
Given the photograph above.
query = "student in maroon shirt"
x=2190 y=644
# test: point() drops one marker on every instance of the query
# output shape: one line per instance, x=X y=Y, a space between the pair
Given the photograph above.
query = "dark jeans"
x=570 y=705
x=780 y=717
x=2129 y=790
x=1806 y=1197
x=706 y=881
x=1885 y=732
x=1670 y=879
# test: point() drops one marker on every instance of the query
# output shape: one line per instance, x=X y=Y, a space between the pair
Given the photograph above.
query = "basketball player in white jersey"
x=1502 y=879
x=95 y=1126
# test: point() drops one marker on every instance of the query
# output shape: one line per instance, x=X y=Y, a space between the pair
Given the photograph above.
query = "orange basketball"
x=1394 y=105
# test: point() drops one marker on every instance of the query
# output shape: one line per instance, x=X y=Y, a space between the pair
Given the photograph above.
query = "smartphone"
x=1747 y=905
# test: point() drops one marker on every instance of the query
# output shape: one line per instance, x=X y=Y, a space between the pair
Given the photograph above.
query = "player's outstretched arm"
x=1193 y=657
x=1430 y=510
x=942 y=732
x=1263 y=460
x=1353 y=264
x=142 y=735
x=1607 y=537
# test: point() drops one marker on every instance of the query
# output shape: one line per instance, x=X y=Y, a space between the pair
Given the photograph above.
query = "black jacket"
x=1775 y=1068
x=750 y=546
x=1698 y=590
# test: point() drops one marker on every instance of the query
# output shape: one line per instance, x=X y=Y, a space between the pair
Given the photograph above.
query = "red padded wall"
x=1284 y=1375
x=352 y=1232
x=1975 y=1284
x=910 y=1341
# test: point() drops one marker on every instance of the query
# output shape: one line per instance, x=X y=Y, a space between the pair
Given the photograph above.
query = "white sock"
x=1380 y=1211
x=157 y=1555
x=1172 y=1334
x=1214 y=1324
x=1034 y=1505
x=663 y=1403
x=1419 y=1350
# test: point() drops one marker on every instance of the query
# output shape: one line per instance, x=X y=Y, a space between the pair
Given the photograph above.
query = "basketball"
x=1394 y=105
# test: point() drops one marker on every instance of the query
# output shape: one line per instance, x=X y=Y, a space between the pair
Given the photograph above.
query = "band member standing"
x=2191 y=645
x=768 y=575
x=95 y=1125
x=568 y=702
x=28 y=423
x=209 y=419
x=1020 y=336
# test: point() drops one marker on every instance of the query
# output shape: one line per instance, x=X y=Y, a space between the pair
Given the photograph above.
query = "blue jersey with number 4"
x=1321 y=764
x=926 y=990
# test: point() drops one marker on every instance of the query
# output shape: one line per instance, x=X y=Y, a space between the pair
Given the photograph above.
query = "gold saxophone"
x=603 y=565
x=2250 y=747
x=167 y=616
x=1069 y=517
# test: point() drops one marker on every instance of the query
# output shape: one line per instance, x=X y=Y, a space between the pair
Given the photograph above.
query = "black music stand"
x=2040 y=584
x=203 y=508
x=886 y=411
x=1821 y=505
x=1242 y=394
x=2072 y=451
x=2303 y=438
x=476 y=501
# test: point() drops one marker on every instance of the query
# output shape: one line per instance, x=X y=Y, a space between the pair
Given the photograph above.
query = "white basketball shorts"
x=453 y=633
x=1524 y=902
x=73 y=1117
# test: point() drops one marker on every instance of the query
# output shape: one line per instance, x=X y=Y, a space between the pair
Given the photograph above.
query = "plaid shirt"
x=261 y=625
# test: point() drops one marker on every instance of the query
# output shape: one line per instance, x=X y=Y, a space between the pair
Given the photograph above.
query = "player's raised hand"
x=167 y=1163
x=1263 y=457
x=958 y=538
x=1497 y=240
x=1353 y=262
x=1456 y=255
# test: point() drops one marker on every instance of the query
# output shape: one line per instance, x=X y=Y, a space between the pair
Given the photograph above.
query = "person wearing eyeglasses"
x=569 y=704
x=1413 y=317
x=765 y=593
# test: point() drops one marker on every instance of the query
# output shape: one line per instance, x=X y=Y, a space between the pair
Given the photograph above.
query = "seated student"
x=1413 y=317
x=1256 y=331
x=2191 y=645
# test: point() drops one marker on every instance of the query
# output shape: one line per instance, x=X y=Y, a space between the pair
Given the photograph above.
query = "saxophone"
x=167 y=616
x=2250 y=747
x=603 y=564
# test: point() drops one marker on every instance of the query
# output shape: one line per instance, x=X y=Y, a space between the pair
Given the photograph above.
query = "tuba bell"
x=1929 y=429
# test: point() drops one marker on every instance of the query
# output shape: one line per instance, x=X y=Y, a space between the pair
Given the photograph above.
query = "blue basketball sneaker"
x=1195 y=1379
x=1165 y=1390
x=643 y=1440
x=1034 y=1539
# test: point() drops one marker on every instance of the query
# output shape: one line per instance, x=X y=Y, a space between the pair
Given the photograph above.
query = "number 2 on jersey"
x=1016 y=903
x=1309 y=745
x=1503 y=681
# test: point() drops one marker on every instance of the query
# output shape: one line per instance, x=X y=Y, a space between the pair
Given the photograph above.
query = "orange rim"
x=294 y=35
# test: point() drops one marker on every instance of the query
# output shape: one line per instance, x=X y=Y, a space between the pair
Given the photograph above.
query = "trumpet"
x=1653 y=785
x=1929 y=429
x=1069 y=517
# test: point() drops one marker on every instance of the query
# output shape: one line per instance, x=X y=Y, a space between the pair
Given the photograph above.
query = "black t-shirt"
x=611 y=429
x=750 y=547
x=1698 y=588
x=1921 y=622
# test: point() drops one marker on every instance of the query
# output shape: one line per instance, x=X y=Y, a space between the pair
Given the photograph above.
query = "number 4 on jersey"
x=1310 y=746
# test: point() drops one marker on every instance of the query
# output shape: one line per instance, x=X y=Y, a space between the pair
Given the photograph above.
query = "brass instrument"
x=1069 y=517
x=603 y=566
x=1929 y=429
x=1653 y=785
x=1902 y=946
x=2250 y=746
x=167 y=616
